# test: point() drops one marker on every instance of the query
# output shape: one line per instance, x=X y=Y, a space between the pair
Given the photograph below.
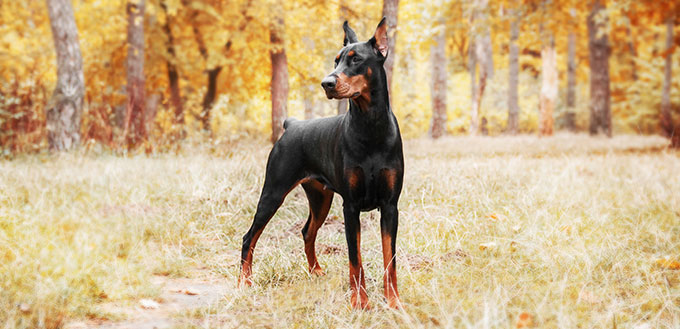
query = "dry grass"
x=573 y=226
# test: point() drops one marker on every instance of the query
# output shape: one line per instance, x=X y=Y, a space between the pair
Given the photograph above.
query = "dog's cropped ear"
x=350 y=36
x=379 y=39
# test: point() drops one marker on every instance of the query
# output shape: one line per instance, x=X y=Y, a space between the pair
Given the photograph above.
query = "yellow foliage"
x=234 y=36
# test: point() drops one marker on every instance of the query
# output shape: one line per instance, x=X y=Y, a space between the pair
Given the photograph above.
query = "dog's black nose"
x=328 y=83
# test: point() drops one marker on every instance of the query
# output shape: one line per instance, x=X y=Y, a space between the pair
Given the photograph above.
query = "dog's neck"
x=372 y=115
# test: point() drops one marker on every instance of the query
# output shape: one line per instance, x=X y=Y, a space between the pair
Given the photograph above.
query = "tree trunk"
x=548 y=87
x=64 y=111
x=438 y=53
x=600 y=94
x=343 y=104
x=211 y=92
x=279 y=84
x=485 y=52
x=213 y=73
x=135 y=131
x=209 y=97
x=632 y=51
x=309 y=103
x=666 y=116
x=173 y=74
x=390 y=11
x=571 y=81
x=513 y=77
x=472 y=68
x=483 y=56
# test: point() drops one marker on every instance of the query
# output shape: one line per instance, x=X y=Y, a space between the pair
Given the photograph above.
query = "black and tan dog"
x=357 y=155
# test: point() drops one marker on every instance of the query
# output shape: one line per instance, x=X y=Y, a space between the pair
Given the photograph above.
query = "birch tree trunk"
x=390 y=11
x=472 y=68
x=135 y=131
x=483 y=56
x=64 y=110
x=513 y=76
x=279 y=84
x=548 y=87
x=666 y=116
x=600 y=94
x=571 y=81
x=438 y=56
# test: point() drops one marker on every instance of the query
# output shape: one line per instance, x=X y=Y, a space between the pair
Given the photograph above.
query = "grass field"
x=567 y=231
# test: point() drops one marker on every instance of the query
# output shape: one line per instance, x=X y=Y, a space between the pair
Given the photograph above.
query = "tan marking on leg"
x=390 y=273
x=357 y=281
x=246 y=269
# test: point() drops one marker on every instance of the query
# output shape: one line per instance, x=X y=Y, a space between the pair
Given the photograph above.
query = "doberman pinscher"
x=357 y=155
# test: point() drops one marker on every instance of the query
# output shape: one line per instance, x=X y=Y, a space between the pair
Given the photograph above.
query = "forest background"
x=153 y=72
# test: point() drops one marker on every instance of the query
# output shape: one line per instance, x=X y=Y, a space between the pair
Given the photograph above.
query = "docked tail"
x=288 y=121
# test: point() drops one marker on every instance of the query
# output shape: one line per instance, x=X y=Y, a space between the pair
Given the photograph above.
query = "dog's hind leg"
x=320 y=200
x=281 y=178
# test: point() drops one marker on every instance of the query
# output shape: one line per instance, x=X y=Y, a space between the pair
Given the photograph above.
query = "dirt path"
x=178 y=296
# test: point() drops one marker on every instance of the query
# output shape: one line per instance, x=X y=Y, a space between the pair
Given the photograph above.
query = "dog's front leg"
x=389 y=220
x=356 y=271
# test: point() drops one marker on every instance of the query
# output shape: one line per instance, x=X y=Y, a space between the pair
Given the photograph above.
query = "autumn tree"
x=666 y=117
x=65 y=108
x=513 y=72
x=390 y=12
x=481 y=55
x=439 y=72
x=171 y=64
x=201 y=19
x=600 y=94
x=571 y=75
x=135 y=125
x=548 y=96
x=279 y=85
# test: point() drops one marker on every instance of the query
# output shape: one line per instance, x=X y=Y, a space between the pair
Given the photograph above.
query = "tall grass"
x=565 y=229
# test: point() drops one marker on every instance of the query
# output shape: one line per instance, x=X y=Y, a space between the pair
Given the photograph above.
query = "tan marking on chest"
x=390 y=176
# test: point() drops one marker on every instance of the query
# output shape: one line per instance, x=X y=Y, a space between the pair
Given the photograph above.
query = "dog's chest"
x=371 y=185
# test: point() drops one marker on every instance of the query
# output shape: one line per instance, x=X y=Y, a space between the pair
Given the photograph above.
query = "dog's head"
x=357 y=65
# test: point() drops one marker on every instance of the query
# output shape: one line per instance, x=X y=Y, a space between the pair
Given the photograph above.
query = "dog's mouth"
x=340 y=93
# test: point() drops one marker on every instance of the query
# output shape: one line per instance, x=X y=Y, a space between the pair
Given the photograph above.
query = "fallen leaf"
x=191 y=292
x=668 y=263
x=149 y=304
x=487 y=245
x=24 y=308
x=492 y=216
x=525 y=320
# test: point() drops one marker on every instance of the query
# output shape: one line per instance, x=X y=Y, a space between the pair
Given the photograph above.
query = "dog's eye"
x=356 y=59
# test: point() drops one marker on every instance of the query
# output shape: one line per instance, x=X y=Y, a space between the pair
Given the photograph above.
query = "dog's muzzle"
x=328 y=84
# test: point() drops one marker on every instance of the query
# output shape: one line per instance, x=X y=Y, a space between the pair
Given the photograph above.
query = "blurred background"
x=119 y=74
